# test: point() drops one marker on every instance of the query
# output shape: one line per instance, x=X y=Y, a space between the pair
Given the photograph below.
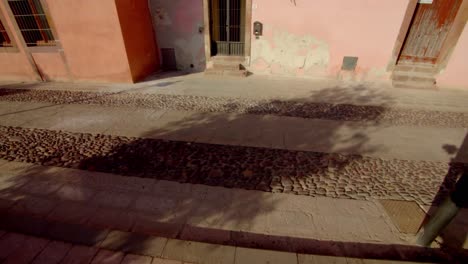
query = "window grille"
x=4 y=38
x=32 y=22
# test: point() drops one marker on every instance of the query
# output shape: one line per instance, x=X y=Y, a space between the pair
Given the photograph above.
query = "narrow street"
x=151 y=170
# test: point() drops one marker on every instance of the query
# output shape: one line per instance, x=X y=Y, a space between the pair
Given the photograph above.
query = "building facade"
x=410 y=43
x=70 y=40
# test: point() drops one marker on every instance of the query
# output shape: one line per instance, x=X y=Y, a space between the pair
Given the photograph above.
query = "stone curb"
x=156 y=246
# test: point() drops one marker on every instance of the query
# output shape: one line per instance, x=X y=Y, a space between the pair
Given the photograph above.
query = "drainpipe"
x=445 y=213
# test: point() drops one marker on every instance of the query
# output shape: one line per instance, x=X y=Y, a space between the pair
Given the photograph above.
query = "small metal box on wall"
x=258 y=29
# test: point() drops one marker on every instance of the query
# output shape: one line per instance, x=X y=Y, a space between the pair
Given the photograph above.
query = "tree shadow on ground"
x=228 y=165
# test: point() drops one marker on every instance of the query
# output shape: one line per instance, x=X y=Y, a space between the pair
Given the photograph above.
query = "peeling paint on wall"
x=289 y=54
x=310 y=38
x=177 y=24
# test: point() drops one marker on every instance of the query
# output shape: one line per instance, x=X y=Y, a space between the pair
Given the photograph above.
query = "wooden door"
x=428 y=31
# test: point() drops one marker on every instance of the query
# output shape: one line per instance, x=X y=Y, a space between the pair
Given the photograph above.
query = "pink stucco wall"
x=310 y=38
x=456 y=72
x=51 y=66
x=14 y=65
x=102 y=41
x=91 y=38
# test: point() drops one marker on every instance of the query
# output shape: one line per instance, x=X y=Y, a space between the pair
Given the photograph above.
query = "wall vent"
x=349 y=63
x=168 y=57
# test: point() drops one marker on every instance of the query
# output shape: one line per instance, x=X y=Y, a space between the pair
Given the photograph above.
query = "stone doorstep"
x=200 y=252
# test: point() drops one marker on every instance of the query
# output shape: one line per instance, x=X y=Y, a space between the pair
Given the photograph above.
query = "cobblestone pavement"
x=270 y=170
x=345 y=112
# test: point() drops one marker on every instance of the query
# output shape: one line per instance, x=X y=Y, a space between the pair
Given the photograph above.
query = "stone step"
x=416 y=68
x=227 y=66
x=415 y=85
x=399 y=72
x=238 y=59
x=226 y=72
x=413 y=77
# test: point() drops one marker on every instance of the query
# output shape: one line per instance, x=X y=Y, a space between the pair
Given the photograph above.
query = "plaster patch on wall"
x=190 y=50
x=177 y=24
x=289 y=54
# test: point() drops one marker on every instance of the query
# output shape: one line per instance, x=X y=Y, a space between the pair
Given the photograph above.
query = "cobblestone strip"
x=270 y=170
x=344 y=112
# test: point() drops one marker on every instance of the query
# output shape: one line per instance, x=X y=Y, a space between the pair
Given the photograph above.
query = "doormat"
x=407 y=216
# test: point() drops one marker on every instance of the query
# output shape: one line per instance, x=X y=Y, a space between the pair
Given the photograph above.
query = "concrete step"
x=226 y=72
x=426 y=85
x=227 y=66
x=421 y=77
x=414 y=76
x=417 y=68
x=221 y=59
x=398 y=72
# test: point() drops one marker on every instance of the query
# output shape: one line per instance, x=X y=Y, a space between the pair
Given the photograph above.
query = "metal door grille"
x=227 y=27
x=4 y=38
x=32 y=22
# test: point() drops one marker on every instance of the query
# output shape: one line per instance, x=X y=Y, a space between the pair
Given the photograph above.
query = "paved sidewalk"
x=329 y=136
x=125 y=248
x=186 y=210
x=159 y=219
x=282 y=88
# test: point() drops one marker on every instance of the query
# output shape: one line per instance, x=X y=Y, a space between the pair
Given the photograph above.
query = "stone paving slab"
x=196 y=252
x=9 y=243
x=54 y=253
x=108 y=257
x=253 y=256
x=134 y=243
x=135 y=259
x=80 y=254
x=25 y=254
